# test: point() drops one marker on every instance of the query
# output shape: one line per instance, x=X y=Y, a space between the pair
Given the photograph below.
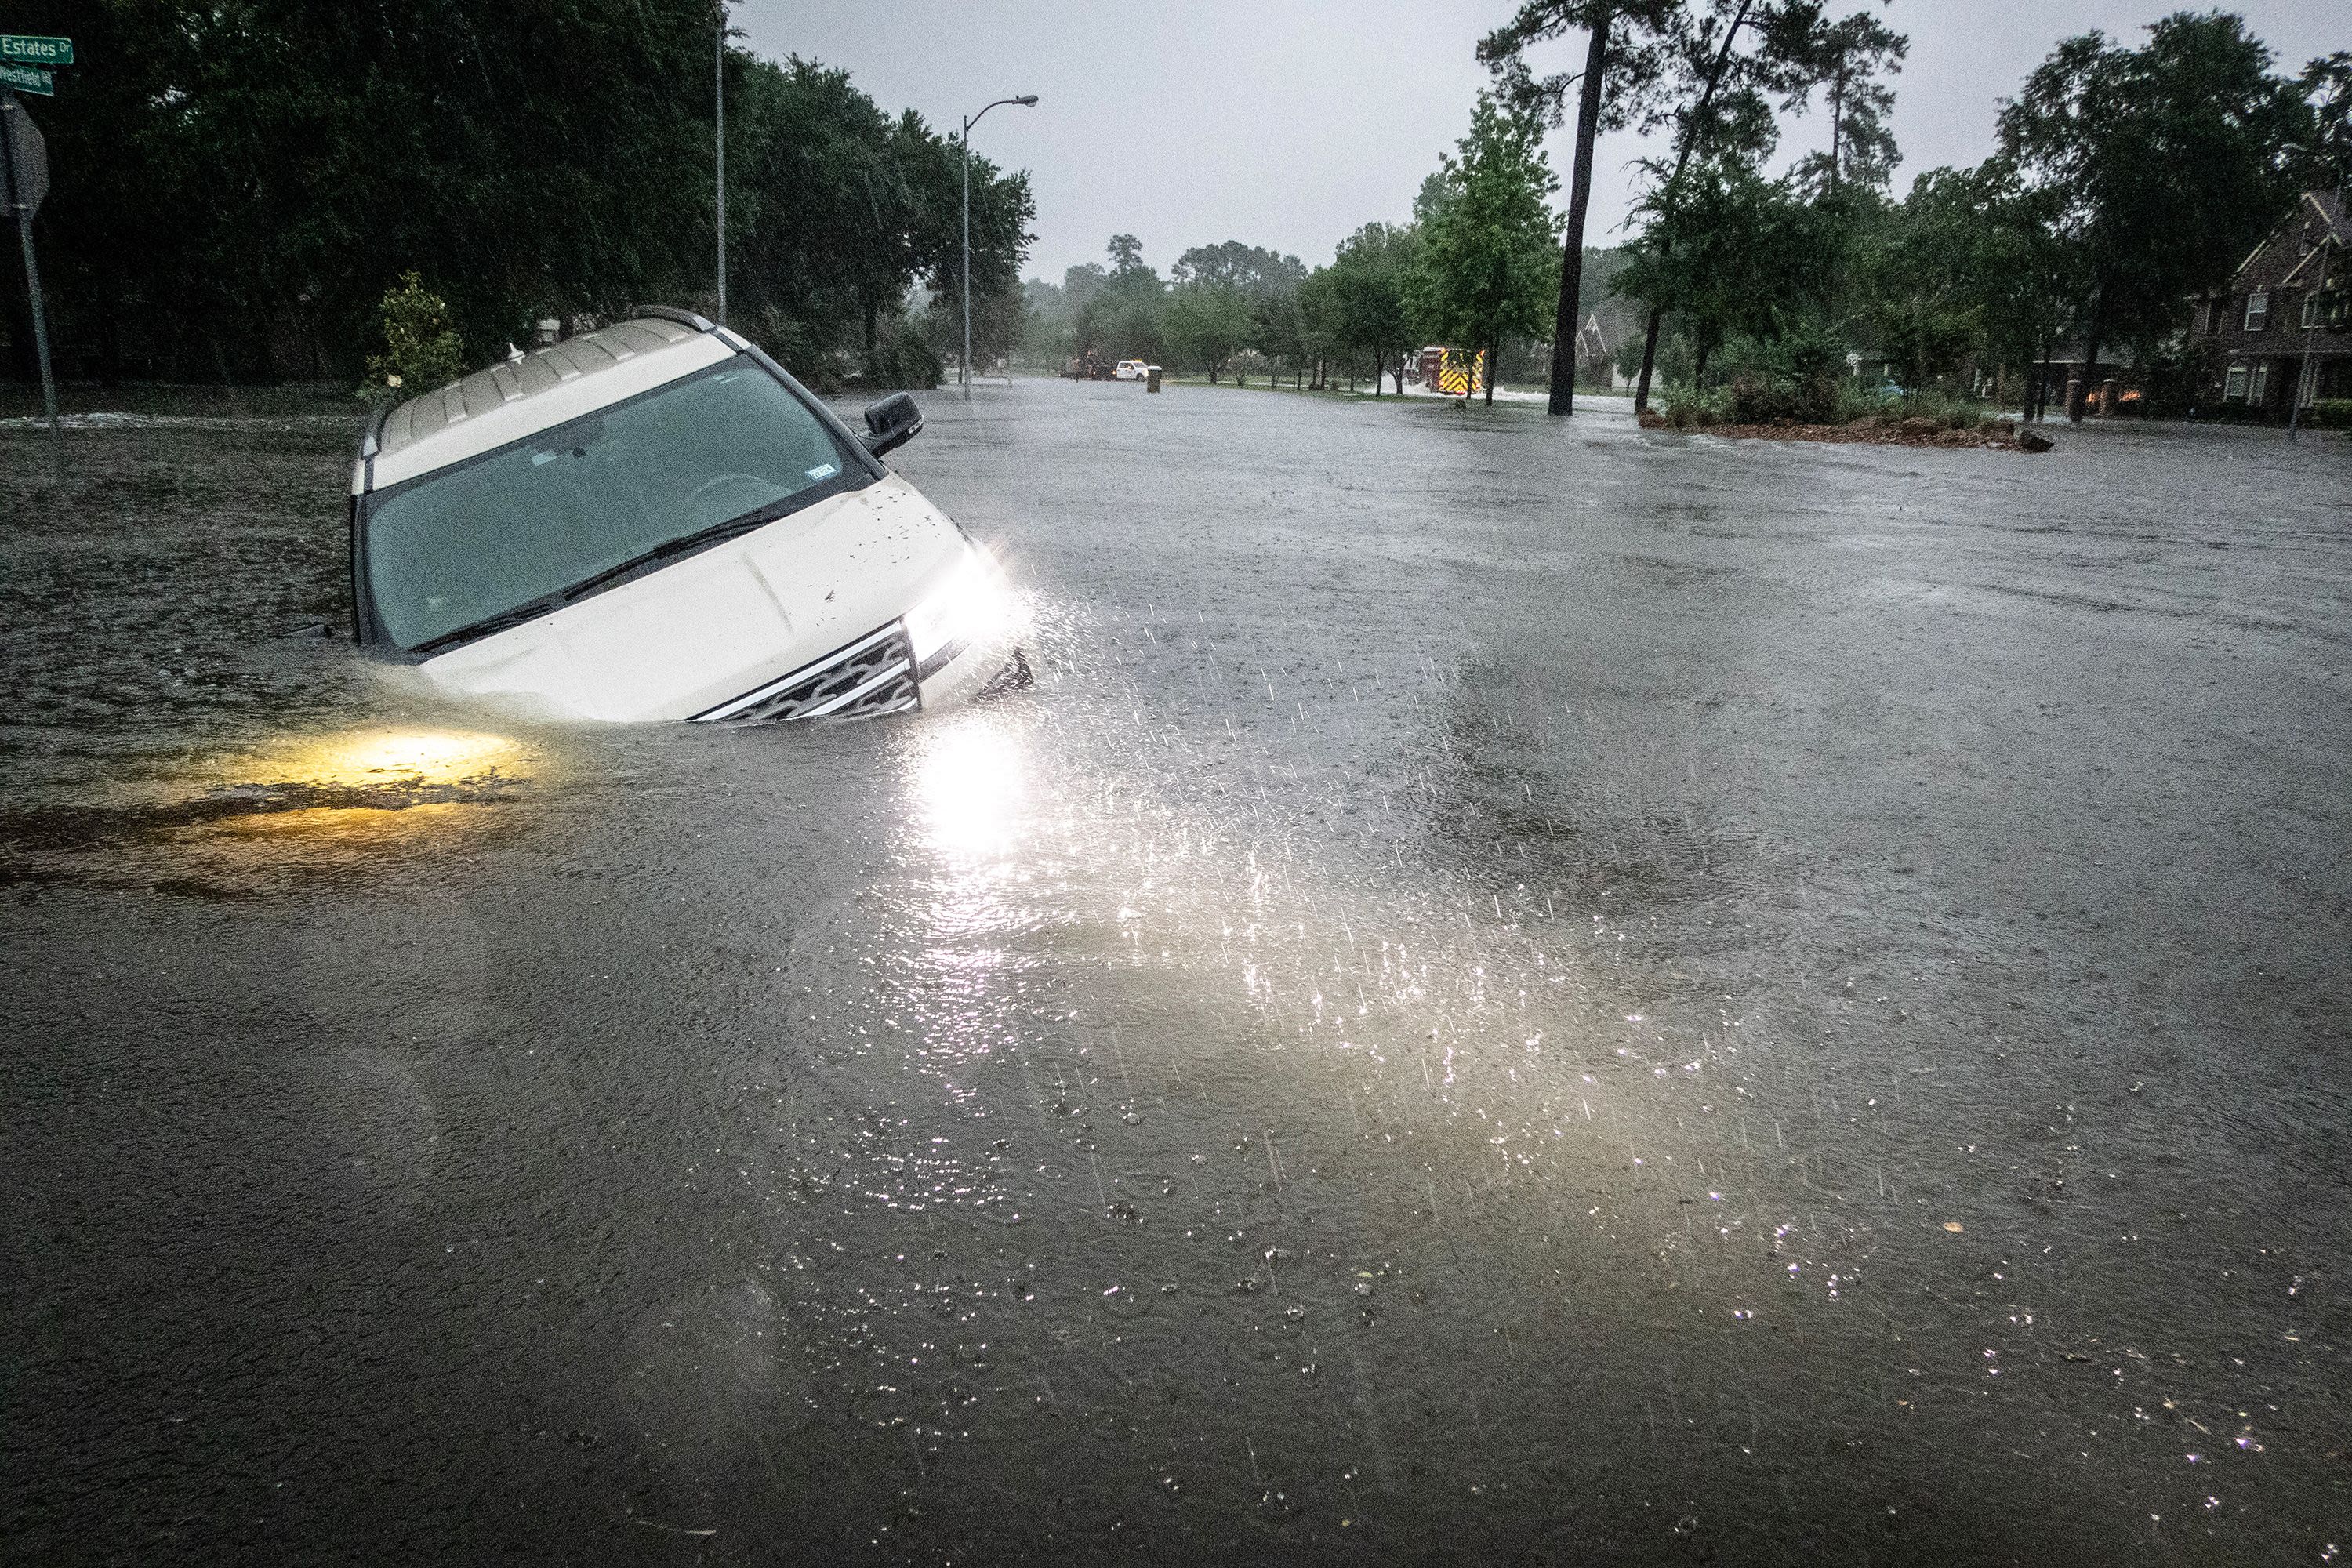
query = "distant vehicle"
x=1130 y=370
x=654 y=521
x=1086 y=367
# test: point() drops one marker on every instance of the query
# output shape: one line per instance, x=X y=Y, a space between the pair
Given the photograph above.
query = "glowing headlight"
x=970 y=607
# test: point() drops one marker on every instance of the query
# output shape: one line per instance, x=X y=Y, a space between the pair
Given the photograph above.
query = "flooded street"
x=1513 y=994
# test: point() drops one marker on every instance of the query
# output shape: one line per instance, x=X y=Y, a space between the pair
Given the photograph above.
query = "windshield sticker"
x=823 y=471
x=539 y=457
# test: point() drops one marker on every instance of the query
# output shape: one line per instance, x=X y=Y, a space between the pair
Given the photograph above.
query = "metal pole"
x=720 y=82
x=963 y=368
x=2303 y=376
x=40 y=318
x=32 y=267
x=1027 y=101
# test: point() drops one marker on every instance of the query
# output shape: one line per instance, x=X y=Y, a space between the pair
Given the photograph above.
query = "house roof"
x=2326 y=206
x=2329 y=204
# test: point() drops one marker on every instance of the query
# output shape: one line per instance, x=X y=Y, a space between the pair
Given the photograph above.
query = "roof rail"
x=672 y=313
x=373 y=439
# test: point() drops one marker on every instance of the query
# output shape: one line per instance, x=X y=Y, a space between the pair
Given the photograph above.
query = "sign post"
x=25 y=64
x=24 y=158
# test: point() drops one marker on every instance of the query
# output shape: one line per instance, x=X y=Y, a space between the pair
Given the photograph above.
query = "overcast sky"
x=1290 y=122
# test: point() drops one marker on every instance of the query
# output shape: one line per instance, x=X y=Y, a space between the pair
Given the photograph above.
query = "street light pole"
x=963 y=366
x=719 y=81
x=2310 y=331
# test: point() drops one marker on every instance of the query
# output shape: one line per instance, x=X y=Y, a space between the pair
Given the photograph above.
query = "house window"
x=2234 y=390
x=2258 y=312
x=2262 y=382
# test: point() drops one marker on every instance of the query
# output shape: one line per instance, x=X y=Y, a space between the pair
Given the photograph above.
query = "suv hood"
x=723 y=621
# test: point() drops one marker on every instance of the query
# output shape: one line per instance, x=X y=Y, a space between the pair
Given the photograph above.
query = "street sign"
x=25 y=161
x=28 y=79
x=28 y=159
x=18 y=49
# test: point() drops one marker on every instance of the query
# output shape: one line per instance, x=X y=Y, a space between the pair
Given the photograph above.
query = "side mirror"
x=892 y=422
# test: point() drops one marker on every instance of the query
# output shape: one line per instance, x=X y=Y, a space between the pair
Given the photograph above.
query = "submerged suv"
x=655 y=520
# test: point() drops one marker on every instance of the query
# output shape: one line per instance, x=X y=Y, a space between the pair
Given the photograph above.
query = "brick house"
x=2286 y=297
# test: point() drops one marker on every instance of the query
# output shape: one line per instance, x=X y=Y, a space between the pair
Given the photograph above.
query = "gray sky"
x=1290 y=122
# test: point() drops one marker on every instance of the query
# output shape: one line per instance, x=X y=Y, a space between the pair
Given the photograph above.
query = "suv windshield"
x=469 y=549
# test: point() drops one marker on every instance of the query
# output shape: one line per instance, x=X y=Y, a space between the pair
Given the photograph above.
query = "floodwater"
x=1513 y=994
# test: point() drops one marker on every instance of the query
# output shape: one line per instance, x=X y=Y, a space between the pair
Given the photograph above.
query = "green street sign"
x=17 y=49
x=24 y=79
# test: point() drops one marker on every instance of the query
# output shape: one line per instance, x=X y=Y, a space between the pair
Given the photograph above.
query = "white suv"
x=655 y=520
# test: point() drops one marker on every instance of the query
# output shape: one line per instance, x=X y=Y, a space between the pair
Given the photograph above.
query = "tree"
x=1368 y=294
x=1968 y=260
x=2327 y=94
x=249 y=178
x=1206 y=322
x=1322 y=325
x=1731 y=254
x=1485 y=269
x=1251 y=269
x=1625 y=57
x=2162 y=164
x=1123 y=318
x=1847 y=59
x=1278 y=328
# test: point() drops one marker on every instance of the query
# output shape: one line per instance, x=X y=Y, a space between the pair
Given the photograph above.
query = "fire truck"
x=1452 y=372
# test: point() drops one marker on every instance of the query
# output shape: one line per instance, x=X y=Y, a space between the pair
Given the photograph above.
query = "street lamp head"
x=1028 y=100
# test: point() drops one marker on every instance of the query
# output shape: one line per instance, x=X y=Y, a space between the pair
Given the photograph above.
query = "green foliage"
x=1732 y=254
x=421 y=350
x=1846 y=60
x=2327 y=87
x=1792 y=375
x=248 y=179
x=1946 y=408
x=2331 y=414
x=1925 y=339
x=1123 y=314
x=1969 y=263
x=1688 y=407
x=1278 y=330
x=1207 y=321
x=1252 y=270
x=2162 y=165
x=1364 y=297
x=1487 y=267
x=903 y=355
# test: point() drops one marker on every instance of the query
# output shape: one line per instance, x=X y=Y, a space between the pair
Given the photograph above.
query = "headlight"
x=968 y=607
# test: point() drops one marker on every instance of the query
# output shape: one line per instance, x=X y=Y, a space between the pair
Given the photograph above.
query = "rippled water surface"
x=1513 y=994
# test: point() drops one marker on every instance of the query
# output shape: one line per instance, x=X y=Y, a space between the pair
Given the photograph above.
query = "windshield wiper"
x=716 y=533
x=482 y=628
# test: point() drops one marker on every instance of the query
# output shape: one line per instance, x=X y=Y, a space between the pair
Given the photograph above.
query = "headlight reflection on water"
x=968 y=779
x=392 y=758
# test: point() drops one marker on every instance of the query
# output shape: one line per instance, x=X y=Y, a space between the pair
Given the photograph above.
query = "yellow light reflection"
x=385 y=758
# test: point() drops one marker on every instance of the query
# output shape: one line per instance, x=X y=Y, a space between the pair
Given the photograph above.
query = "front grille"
x=874 y=675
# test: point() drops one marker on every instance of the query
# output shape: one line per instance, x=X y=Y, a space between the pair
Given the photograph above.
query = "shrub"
x=901 y=357
x=2332 y=414
x=1688 y=408
x=1793 y=375
x=1953 y=410
x=422 y=349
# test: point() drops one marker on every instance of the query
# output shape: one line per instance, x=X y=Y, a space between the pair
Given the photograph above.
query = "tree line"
x=1475 y=267
x=236 y=186
x=2127 y=178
